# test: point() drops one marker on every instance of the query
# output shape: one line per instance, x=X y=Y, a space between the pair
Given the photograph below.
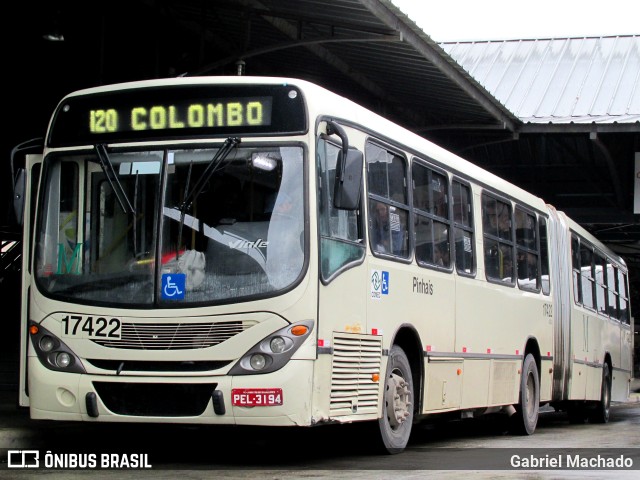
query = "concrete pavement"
x=18 y=431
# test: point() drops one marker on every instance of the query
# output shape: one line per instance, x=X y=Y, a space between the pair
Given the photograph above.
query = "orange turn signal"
x=33 y=329
x=375 y=377
x=299 y=330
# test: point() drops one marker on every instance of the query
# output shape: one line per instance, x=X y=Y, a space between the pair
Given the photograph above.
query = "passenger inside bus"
x=386 y=231
x=442 y=254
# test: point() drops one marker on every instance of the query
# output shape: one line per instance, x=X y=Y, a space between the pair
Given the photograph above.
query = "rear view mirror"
x=18 y=195
x=346 y=195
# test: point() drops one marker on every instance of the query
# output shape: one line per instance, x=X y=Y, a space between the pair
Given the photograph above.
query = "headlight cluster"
x=274 y=351
x=52 y=352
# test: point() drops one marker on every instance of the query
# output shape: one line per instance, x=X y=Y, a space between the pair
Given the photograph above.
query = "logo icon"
x=379 y=284
x=23 y=459
x=173 y=286
x=375 y=280
x=385 y=283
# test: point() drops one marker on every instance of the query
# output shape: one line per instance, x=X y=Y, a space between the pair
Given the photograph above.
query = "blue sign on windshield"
x=173 y=286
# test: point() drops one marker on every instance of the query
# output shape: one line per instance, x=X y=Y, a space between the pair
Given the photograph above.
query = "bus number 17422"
x=80 y=326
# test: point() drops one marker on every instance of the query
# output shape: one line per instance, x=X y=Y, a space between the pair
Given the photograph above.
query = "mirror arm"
x=334 y=128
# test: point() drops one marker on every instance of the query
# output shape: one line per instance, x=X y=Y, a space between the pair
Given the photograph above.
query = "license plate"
x=91 y=326
x=256 y=397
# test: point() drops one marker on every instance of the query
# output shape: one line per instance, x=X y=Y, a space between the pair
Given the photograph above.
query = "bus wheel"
x=601 y=413
x=526 y=416
x=397 y=407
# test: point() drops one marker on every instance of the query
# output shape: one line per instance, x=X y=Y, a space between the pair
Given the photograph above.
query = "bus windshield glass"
x=171 y=227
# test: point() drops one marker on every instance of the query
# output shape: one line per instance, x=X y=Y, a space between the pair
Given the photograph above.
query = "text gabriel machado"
x=570 y=461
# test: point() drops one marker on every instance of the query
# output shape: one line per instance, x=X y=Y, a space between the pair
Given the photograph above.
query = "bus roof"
x=322 y=102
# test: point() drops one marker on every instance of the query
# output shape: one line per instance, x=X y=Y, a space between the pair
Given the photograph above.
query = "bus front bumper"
x=169 y=399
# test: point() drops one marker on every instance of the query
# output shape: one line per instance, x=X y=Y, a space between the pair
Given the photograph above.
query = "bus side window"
x=612 y=290
x=498 y=240
x=623 y=298
x=388 y=205
x=463 y=228
x=586 y=276
x=544 y=256
x=431 y=216
x=527 y=256
x=575 y=263
x=340 y=230
x=600 y=283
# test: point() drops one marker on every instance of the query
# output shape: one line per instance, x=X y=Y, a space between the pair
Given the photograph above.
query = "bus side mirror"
x=18 y=195
x=346 y=195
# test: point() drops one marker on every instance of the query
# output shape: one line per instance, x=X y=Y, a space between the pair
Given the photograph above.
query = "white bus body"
x=387 y=330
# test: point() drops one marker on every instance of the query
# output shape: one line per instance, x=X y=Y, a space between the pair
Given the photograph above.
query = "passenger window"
x=586 y=276
x=575 y=262
x=527 y=255
x=431 y=209
x=612 y=290
x=600 y=268
x=544 y=257
x=498 y=243
x=463 y=232
x=623 y=298
x=388 y=208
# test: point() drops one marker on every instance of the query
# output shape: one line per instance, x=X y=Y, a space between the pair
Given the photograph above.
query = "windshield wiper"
x=190 y=195
x=112 y=177
x=229 y=144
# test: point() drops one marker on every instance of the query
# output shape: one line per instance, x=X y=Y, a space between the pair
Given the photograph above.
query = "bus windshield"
x=171 y=227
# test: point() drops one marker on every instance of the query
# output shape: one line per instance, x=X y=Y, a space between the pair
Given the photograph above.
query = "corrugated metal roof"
x=559 y=80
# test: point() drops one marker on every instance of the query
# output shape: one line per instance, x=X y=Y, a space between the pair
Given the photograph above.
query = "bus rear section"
x=592 y=325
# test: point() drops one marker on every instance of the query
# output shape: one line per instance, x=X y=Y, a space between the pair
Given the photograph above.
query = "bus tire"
x=603 y=407
x=397 y=403
x=526 y=417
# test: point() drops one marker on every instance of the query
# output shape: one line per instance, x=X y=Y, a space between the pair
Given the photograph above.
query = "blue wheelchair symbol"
x=385 y=283
x=173 y=286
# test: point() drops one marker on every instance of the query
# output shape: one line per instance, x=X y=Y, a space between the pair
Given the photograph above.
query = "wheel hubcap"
x=529 y=397
x=398 y=400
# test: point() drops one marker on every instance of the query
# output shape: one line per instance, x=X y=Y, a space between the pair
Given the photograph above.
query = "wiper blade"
x=190 y=195
x=112 y=178
x=229 y=144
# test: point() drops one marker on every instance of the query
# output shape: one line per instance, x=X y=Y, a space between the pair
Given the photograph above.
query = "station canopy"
x=506 y=106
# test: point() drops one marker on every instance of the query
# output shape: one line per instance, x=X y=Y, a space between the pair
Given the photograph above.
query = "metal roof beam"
x=386 y=12
x=291 y=31
x=580 y=128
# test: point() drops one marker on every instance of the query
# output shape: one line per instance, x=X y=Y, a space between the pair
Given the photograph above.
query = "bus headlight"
x=52 y=352
x=63 y=359
x=274 y=351
x=257 y=361
x=46 y=343
x=278 y=344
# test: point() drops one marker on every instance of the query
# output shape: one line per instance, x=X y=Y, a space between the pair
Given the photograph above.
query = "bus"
x=262 y=251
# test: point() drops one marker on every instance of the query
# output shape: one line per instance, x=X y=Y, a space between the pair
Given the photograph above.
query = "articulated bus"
x=261 y=251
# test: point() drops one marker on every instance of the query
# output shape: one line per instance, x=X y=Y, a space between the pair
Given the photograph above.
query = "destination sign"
x=235 y=112
x=177 y=111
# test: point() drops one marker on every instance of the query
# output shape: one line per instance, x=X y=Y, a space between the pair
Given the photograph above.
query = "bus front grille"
x=356 y=359
x=174 y=336
x=155 y=399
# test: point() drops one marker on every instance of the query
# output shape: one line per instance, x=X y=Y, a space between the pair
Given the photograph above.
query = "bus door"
x=29 y=183
x=342 y=289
